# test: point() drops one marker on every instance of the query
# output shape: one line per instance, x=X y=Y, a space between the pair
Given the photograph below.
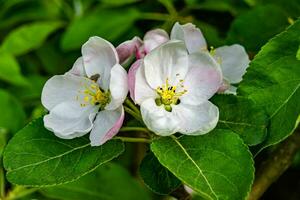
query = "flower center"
x=169 y=95
x=94 y=95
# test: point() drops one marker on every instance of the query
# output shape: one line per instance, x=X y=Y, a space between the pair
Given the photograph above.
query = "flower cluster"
x=171 y=80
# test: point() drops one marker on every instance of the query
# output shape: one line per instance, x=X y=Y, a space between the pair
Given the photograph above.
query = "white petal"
x=142 y=89
x=155 y=38
x=69 y=120
x=128 y=48
x=118 y=87
x=203 y=78
x=99 y=56
x=231 y=90
x=131 y=77
x=191 y=35
x=169 y=60
x=158 y=120
x=196 y=120
x=62 y=88
x=78 y=68
x=106 y=125
x=234 y=61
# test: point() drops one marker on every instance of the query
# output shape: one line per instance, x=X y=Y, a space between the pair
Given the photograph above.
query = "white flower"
x=173 y=87
x=89 y=97
x=233 y=59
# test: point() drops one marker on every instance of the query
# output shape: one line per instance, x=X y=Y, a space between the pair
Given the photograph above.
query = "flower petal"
x=196 y=120
x=128 y=48
x=69 y=120
x=203 y=79
x=142 y=89
x=99 y=56
x=191 y=35
x=62 y=88
x=78 y=68
x=234 y=62
x=118 y=87
x=106 y=125
x=155 y=38
x=158 y=120
x=169 y=60
x=131 y=77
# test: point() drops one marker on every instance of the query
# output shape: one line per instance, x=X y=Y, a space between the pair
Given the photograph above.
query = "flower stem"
x=130 y=139
x=137 y=116
x=139 y=129
x=131 y=105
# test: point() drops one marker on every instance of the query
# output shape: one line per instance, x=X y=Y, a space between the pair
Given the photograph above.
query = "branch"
x=278 y=162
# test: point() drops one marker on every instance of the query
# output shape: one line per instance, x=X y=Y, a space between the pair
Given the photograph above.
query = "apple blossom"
x=89 y=97
x=233 y=59
x=173 y=87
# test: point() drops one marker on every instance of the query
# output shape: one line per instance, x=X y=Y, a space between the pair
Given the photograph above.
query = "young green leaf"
x=28 y=37
x=273 y=83
x=108 y=24
x=108 y=182
x=217 y=165
x=240 y=115
x=255 y=27
x=36 y=157
x=13 y=115
x=10 y=70
x=158 y=178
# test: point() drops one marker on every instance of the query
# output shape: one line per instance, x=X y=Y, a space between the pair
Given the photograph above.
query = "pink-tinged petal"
x=191 y=35
x=158 y=120
x=128 y=48
x=106 y=126
x=196 y=120
x=118 y=87
x=155 y=38
x=131 y=78
x=68 y=119
x=99 y=56
x=233 y=60
x=78 y=68
x=203 y=79
x=142 y=89
x=62 y=88
x=168 y=61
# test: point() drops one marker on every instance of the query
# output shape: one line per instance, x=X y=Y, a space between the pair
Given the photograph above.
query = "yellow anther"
x=93 y=95
x=170 y=94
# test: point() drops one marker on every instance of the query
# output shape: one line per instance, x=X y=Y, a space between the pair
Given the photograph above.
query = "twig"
x=278 y=162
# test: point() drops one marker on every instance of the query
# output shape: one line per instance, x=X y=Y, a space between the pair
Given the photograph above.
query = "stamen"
x=93 y=95
x=169 y=95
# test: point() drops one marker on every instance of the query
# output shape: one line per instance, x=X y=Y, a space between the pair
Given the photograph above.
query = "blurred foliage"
x=41 y=38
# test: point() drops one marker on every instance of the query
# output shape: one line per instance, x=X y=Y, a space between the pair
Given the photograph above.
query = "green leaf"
x=10 y=70
x=36 y=157
x=108 y=182
x=28 y=37
x=109 y=24
x=158 y=178
x=272 y=81
x=217 y=165
x=254 y=28
x=240 y=115
x=118 y=2
x=13 y=115
x=298 y=54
